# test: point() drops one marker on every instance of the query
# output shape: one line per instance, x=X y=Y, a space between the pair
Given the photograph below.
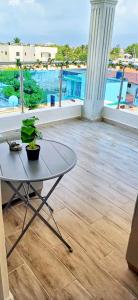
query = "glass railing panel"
x=116 y=89
x=74 y=84
x=45 y=87
x=10 y=91
x=41 y=87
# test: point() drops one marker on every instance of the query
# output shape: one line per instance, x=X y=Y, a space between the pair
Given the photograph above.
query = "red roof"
x=131 y=76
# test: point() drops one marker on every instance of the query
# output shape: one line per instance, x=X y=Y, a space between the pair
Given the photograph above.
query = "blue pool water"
x=112 y=91
x=73 y=86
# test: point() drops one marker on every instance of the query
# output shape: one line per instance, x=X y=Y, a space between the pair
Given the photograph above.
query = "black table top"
x=55 y=160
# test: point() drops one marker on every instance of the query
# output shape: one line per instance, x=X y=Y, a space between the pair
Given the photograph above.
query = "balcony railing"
x=122 y=89
x=23 y=88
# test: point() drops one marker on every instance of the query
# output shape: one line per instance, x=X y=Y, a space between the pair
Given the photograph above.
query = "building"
x=132 y=86
x=26 y=53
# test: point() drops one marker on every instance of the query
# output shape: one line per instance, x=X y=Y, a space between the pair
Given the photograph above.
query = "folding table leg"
x=41 y=197
x=36 y=213
x=58 y=234
x=11 y=199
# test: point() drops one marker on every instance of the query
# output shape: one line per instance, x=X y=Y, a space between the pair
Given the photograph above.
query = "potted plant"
x=29 y=134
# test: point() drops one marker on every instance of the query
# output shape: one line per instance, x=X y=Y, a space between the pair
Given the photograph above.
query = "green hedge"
x=33 y=94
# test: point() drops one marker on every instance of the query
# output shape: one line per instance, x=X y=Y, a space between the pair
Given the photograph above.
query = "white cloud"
x=14 y=2
x=126 y=24
x=127 y=8
x=62 y=21
x=19 y=2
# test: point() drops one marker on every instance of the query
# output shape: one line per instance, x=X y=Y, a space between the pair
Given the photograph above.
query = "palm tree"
x=17 y=40
x=18 y=63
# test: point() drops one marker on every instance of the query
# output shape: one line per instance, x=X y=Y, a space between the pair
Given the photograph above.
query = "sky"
x=62 y=21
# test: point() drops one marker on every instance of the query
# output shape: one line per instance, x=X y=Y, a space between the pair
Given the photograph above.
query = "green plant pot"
x=33 y=154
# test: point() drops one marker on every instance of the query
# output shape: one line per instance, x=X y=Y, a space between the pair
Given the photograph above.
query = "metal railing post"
x=60 y=86
x=121 y=89
x=21 y=90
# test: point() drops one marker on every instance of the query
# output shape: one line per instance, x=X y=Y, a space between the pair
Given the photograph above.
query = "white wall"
x=52 y=51
x=45 y=51
x=13 y=49
x=13 y=121
x=121 y=117
x=32 y=53
x=3 y=56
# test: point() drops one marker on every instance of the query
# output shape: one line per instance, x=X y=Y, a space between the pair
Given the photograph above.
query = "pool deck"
x=9 y=110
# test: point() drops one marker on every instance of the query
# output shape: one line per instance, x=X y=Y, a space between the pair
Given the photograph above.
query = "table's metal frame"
x=27 y=186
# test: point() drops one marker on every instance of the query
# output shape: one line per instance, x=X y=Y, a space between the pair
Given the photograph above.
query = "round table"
x=56 y=159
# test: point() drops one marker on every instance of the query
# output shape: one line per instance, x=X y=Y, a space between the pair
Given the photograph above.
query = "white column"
x=4 y=284
x=101 y=28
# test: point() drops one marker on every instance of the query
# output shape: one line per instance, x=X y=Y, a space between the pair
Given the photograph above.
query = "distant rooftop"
x=132 y=76
x=23 y=44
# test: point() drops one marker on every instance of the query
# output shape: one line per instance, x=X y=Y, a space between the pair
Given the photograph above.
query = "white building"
x=26 y=53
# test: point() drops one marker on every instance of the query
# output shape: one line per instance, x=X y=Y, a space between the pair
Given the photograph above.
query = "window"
x=17 y=53
x=5 y=52
x=25 y=53
x=129 y=85
x=41 y=54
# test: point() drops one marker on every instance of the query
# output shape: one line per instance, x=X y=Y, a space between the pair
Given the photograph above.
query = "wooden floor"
x=93 y=207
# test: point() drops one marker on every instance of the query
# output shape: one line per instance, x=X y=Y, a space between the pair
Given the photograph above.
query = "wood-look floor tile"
x=120 y=218
x=116 y=265
x=93 y=198
x=15 y=260
x=89 y=272
x=112 y=233
x=43 y=232
x=103 y=182
x=92 y=182
x=50 y=272
x=55 y=203
x=126 y=189
x=77 y=205
x=74 y=291
x=25 y=286
x=91 y=241
x=129 y=208
x=12 y=221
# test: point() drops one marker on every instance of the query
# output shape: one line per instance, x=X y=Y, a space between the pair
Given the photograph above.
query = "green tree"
x=80 y=53
x=67 y=53
x=8 y=91
x=18 y=63
x=132 y=49
x=115 y=53
x=8 y=77
x=17 y=40
x=33 y=94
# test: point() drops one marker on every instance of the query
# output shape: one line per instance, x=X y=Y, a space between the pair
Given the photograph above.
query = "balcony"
x=93 y=207
x=94 y=204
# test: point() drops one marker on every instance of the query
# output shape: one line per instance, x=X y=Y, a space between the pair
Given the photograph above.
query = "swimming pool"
x=73 y=86
x=112 y=91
